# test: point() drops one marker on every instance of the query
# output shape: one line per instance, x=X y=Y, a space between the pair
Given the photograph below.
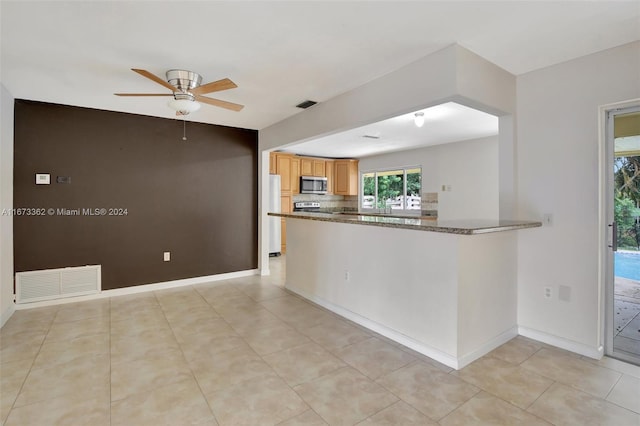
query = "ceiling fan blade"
x=219 y=103
x=155 y=78
x=143 y=94
x=214 y=86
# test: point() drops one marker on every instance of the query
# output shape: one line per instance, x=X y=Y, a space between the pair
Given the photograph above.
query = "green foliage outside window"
x=627 y=200
x=391 y=189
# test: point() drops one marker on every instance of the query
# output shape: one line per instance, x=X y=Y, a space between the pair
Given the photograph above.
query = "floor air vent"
x=35 y=286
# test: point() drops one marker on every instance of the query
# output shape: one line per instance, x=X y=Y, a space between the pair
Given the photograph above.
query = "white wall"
x=487 y=292
x=413 y=294
x=557 y=173
x=6 y=202
x=451 y=297
x=470 y=167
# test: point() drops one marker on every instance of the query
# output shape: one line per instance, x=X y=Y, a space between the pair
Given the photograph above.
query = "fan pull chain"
x=184 y=129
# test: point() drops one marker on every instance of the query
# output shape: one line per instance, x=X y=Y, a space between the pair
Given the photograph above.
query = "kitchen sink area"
x=317 y=207
x=382 y=214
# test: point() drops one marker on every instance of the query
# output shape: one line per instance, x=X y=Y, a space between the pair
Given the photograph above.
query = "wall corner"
x=7 y=305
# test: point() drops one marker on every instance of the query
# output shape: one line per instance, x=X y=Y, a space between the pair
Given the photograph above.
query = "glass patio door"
x=623 y=259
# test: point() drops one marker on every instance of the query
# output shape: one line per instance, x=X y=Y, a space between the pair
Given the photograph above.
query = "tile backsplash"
x=428 y=202
x=331 y=202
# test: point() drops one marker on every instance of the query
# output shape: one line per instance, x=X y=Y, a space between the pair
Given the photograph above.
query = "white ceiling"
x=449 y=122
x=279 y=53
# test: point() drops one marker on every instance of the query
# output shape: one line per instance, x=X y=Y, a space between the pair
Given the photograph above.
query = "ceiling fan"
x=187 y=90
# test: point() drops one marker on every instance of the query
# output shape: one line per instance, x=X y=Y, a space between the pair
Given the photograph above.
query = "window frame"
x=375 y=173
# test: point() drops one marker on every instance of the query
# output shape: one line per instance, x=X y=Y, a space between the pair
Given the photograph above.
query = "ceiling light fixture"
x=183 y=101
x=183 y=106
x=419 y=119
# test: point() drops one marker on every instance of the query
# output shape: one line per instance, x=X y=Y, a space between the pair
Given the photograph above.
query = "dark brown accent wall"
x=195 y=198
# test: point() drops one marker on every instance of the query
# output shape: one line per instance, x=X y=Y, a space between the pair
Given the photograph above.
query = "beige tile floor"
x=246 y=352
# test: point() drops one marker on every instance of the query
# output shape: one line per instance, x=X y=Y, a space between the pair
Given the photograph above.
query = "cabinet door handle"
x=614 y=236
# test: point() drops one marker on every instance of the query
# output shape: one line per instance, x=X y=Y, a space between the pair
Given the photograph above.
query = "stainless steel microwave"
x=313 y=185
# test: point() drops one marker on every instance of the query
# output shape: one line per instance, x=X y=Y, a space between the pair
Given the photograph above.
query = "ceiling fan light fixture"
x=419 y=119
x=184 y=106
x=184 y=80
x=187 y=89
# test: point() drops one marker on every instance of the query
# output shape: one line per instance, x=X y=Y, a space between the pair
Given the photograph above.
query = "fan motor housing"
x=183 y=95
x=184 y=80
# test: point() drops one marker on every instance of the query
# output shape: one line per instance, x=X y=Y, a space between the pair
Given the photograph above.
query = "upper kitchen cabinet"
x=306 y=166
x=312 y=167
x=288 y=167
x=346 y=177
x=329 y=167
x=272 y=163
x=342 y=175
x=319 y=168
x=283 y=168
x=295 y=175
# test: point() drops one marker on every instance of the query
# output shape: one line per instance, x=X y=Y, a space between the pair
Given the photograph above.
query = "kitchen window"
x=396 y=190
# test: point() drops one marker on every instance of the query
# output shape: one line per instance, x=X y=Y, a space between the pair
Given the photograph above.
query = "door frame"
x=606 y=279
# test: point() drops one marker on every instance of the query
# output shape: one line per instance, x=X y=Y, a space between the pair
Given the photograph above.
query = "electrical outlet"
x=167 y=256
x=547 y=292
x=346 y=275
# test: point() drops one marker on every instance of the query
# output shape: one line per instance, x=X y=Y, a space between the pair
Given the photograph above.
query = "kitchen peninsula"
x=445 y=289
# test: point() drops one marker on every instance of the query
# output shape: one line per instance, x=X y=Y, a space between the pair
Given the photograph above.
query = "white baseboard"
x=562 y=343
x=141 y=289
x=487 y=347
x=385 y=331
x=4 y=316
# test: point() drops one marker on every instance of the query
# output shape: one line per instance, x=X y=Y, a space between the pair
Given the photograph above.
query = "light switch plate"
x=43 y=179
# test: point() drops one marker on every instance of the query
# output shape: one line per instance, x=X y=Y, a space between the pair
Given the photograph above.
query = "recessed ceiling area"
x=444 y=123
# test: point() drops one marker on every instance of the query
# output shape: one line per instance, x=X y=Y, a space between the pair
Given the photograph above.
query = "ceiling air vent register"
x=306 y=104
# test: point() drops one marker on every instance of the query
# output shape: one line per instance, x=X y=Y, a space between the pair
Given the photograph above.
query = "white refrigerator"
x=274 y=221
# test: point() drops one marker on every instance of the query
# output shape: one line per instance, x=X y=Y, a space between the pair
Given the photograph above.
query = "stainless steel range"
x=306 y=206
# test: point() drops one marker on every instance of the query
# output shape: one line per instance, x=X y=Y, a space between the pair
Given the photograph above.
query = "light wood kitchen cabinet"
x=342 y=179
x=329 y=174
x=272 y=163
x=306 y=166
x=295 y=175
x=287 y=167
x=310 y=166
x=283 y=168
x=346 y=177
x=319 y=168
x=286 y=206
